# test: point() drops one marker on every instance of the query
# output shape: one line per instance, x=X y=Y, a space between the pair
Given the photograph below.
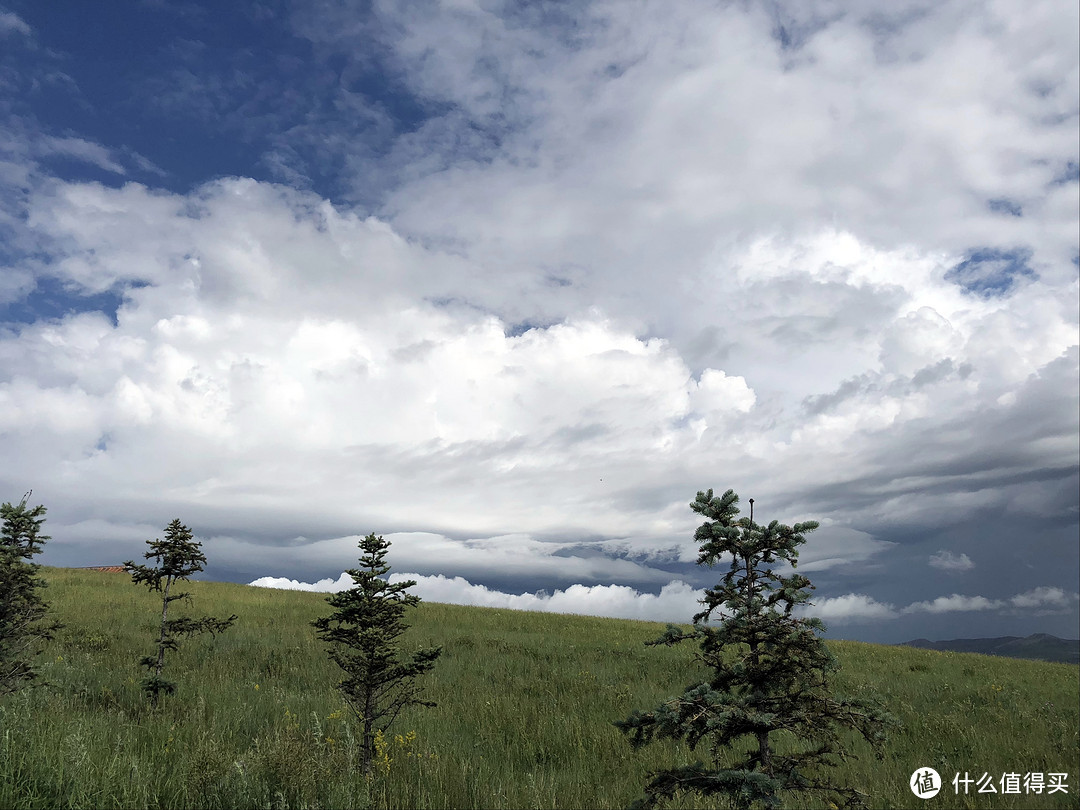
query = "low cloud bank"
x=851 y=607
x=676 y=602
x=328 y=585
x=1042 y=600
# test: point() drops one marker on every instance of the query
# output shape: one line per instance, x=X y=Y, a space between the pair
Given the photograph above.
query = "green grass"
x=526 y=702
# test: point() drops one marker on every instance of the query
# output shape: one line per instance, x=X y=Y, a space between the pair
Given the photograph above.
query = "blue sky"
x=509 y=283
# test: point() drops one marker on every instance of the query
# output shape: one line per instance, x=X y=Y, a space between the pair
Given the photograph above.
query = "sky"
x=509 y=283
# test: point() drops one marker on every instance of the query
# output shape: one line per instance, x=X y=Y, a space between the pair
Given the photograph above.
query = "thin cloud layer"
x=11 y=24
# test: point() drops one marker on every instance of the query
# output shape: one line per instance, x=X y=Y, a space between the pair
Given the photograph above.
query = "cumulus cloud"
x=676 y=602
x=1040 y=599
x=1044 y=598
x=956 y=602
x=822 y=146
x=852 y=607
x=194 y=349
x=948 y=561
x=363 y=387
x=328 y=585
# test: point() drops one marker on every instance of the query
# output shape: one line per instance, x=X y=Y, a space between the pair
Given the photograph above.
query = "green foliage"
x=363 y=634
x=523 y=716
x=774 y=685
x=178 y=556
x=23 y=625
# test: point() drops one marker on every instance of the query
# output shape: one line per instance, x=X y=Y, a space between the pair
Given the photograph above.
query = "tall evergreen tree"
x=769 y=681
x=178 y=556
x=23 y=613
x=363 y=634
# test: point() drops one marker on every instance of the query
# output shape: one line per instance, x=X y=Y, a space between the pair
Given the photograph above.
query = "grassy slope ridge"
x=526 y=702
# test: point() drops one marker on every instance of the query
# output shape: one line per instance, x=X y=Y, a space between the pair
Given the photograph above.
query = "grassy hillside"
x=526 y=702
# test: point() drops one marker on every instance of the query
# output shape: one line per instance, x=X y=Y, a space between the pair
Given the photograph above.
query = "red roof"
x=111 y=569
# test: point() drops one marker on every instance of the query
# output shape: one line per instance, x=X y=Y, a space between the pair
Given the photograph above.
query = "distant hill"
x=1038 y=646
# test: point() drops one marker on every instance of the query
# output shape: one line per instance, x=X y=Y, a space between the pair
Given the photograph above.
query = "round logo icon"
x=925 y=783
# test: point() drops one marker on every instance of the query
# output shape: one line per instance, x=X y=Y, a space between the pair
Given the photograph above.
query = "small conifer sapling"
x=178 y=556
x=769 y=680
x=363 y=633
x=23 y=612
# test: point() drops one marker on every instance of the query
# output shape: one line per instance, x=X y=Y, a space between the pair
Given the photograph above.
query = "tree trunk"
x=161 y=638
x=765 y=752
x=369 y=733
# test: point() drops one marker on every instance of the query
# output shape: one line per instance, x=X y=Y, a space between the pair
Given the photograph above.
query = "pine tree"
x=23 y=625
x=178 y=556
x=363 y=634
x=769 y=681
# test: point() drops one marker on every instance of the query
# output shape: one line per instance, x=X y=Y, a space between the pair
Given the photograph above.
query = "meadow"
x=525 y=708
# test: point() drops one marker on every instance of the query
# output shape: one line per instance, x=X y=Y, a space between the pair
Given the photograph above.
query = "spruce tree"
x=363 y=635
x=178 y=556
x=769 y=680
x=23 y=624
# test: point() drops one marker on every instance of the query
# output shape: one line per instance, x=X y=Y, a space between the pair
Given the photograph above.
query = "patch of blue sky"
x=77 y=170
x=794 y=27
x=1003 y=205
x=1070 y=174
x=455 y=302
x=519 y=329
x=209 y=90
x=557 y=281
x=991 y=272
x=52 y=299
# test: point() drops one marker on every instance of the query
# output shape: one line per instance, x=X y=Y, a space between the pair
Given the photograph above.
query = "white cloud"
x=676 y=602
x=294 y=350
x=1043 y=597
x=859 y=122
x=268 y=336
x=328 y=585
x=717 y=392
x=956 y=602
x=852 y=607
x=78 y=149
x=947 y=561
x=13 y=23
